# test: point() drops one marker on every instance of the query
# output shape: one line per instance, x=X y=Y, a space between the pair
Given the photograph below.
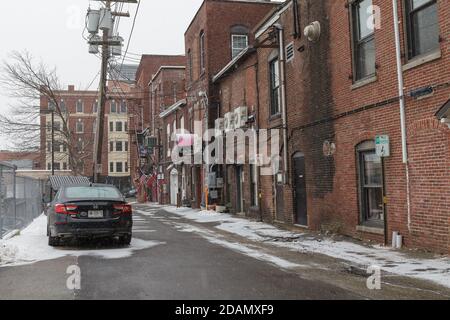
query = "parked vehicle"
x=131 y=193
x=89 y=211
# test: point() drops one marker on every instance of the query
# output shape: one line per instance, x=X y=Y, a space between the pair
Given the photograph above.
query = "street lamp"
x=52 y=109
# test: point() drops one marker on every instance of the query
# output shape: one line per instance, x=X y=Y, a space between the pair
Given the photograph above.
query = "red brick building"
x=217 y=33
x=342 y=92
x=144 y=121
x=75 y=121
x=237 y=83
x=23 y=160
x=169 y=116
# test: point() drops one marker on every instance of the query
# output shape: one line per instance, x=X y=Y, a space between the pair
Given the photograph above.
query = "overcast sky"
x=52 y=31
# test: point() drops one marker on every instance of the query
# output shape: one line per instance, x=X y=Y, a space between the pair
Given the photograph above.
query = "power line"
x=131 y=33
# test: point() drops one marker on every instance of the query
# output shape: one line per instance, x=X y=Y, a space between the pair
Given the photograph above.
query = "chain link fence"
x=20 y=200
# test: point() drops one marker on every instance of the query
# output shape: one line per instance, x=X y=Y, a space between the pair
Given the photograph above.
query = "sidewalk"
x=358 y=255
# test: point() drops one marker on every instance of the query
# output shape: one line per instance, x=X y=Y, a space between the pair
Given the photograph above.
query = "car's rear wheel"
x=125 y=240
x=53 y=241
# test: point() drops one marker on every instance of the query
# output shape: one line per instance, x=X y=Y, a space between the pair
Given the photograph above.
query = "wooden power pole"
x=106 y=42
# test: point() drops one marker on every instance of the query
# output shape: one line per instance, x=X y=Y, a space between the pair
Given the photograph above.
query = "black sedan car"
x=91 y=211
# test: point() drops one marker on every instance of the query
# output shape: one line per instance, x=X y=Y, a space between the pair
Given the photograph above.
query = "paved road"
x=183 y=265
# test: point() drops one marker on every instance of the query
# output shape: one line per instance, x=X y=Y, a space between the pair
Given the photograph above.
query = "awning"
x=58 y=181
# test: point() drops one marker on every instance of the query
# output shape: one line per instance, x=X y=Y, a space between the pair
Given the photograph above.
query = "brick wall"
x=320 y=88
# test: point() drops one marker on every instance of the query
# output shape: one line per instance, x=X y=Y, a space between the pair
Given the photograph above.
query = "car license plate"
x=95 y=214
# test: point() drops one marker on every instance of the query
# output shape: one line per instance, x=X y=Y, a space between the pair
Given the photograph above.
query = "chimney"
x=71 y=88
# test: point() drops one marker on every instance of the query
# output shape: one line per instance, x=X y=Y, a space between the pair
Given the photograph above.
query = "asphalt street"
x=184 y=265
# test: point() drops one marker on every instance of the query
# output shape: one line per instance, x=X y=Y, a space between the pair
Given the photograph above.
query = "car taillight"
x=123 y=208
x=65 y=208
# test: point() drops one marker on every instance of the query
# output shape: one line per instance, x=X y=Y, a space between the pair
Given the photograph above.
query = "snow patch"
x=31 y=246
x=392 y=261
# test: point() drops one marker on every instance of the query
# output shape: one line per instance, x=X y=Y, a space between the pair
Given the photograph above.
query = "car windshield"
x=92 y=192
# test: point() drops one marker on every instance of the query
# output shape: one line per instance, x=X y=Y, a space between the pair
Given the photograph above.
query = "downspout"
x=402 y=108
x=282 y=62
x=257 y=167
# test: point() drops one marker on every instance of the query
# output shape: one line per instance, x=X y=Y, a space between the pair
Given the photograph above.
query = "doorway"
x=299 y=185
x=239 y=191
x=174 y=187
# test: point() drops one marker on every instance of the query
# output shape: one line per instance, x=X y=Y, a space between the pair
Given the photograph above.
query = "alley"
x=175 y=258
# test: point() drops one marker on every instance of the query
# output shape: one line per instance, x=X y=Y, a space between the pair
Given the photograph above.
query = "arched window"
x=274 y=83
x=239 y=39
x=370 y=178
x=202 y=51
x=189 y=54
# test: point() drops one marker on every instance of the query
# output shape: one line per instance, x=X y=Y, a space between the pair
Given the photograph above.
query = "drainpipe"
x=282 y=62
x=402 y=107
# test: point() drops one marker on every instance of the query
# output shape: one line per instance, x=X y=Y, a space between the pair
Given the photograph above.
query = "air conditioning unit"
x=219 y=126
x=240 y=117
x=229 y=122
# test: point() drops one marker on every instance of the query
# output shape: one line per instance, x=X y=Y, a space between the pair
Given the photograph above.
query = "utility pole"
x=103 y=19
x=98 y=144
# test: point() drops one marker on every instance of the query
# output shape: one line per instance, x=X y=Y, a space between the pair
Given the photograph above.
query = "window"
x=126 y=167
x=80 y=126
x=363 y=40
x=111 y=146
x=95 y=107
x=80 y=106
x=238 y=43
x=111 y=167
x=253 y=186
x=422 y=26
x=49 y=147
x=92 y=192
x=123 y=107
x=57 y=166
x=274 y=68
x=126 y=146
x=202 y=52
x=64 y=165
x=111 y=126
x=113 y=106
x=49 y=127
x=168 y=140
x=57 y=126
x=119 y=126
x=62 y=106
x=190 y=65
x=119 y=167
x=125 y=124
x=80 y=145
x=370 y=174
x=49 y=166
x=119 y=146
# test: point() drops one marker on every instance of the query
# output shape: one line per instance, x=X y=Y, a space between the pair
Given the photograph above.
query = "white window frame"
x=79 y=102
x=233 y=48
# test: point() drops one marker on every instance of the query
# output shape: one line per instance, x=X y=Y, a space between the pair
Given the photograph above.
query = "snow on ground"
x=212 y=238
x=396 y=262
x=31 y=246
